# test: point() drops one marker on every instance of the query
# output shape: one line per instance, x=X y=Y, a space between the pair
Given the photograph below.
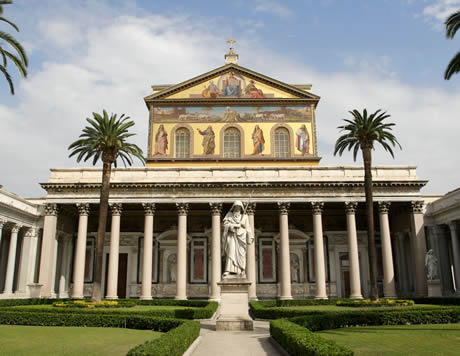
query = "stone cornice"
x=210 y=185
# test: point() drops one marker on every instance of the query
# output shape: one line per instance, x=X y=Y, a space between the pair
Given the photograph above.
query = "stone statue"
x=295 y=268
x=431 y=263
x=172 y=263
x=237 y=235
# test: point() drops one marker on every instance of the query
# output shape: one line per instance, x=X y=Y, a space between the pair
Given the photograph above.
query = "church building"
x=225 y=135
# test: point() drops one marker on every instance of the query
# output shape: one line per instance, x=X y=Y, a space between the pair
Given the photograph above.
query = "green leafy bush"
x=437 y=300
x=90 y=305
x=297 y=340
x=383 y=302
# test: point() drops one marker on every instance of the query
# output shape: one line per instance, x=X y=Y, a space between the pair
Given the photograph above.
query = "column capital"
x=83 y=208
x=283 y=208
x=16 y=228
x=350 y=207
x=384 y=207
x=149 y=208
x=2 y=222
x=182 y=208
x=452 y=226
x=216 y=208
x=51 y=209
x=317 y=207
x=116 y=208
x=417 y=206
x=31 y=232
x=251 y=208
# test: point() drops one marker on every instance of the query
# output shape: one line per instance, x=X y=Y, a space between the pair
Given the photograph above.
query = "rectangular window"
x=155 y=260
x=267 y=260
x=198 y=260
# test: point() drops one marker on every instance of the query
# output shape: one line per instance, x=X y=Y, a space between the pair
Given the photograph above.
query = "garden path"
x=235 y=343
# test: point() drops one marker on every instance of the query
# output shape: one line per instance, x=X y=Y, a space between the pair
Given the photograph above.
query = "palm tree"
x=452 y=25
x=21 y=61
x=362 y=132
x=105 y=139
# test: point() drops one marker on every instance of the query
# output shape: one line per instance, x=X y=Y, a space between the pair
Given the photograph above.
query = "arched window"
x=232 y=143
x=281 y=143
x=182 y=143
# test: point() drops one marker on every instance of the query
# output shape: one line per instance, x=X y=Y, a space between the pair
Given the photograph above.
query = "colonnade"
x=215 y=275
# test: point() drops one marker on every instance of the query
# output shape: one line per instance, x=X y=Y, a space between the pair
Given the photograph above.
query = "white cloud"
x=272 y=7
x=117 y=61
x=437 y=12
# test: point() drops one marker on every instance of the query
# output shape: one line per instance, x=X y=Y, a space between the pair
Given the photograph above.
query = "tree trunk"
x=101 y=229
x=367 y=159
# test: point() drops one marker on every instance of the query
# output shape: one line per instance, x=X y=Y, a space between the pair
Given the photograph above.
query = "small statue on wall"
x=161 y=141
x=208 y=140
x=259 y=141
x=431 y=263
x=172 y=264
x=295 y=268
x=303 y=140
x=237 y=236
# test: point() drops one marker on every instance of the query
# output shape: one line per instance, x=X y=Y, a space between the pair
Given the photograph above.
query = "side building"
x=227 y=134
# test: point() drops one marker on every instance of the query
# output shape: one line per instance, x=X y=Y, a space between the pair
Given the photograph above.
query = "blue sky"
x=89 y=55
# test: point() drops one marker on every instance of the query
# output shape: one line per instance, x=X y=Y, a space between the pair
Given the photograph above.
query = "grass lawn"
x=336 y=308
x=51 y=340
x=432 y=339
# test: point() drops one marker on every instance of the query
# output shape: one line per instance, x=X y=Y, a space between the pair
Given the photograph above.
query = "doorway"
x=122 y=274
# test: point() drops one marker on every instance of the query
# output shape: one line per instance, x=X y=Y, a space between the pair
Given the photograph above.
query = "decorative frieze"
x=317 y=207
x=384 y=207
x=216 y=208
x=283 y=208
x=83 y=208
x=417 y=206
x=116 y=208
x=350 y=207
x=149 y=208
x=51 y=209
x=251 y=208
x=182 y=208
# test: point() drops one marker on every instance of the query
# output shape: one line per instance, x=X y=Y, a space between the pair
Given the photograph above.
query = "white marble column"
x=146 y=290
x=285 y=261
x=11 y=260
x=181 y=277
x=251 y=255
x=32 y=235
x=455 y=253
x=320 y=266
x=49 y=245
x=419 y=246
x=2 y=223
x=112 y=274
x=389 y=288
x=353 y=254
x=80 y=251
x=63 y=273
x=216 y=273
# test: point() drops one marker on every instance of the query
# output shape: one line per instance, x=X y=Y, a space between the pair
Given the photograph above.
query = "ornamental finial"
x=231 y=56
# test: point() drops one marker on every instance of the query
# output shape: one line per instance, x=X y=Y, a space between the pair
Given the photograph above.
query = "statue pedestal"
x=234 y=304
x=434 y=288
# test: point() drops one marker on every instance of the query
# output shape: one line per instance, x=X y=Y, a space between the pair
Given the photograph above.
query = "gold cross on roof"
x=231 y=41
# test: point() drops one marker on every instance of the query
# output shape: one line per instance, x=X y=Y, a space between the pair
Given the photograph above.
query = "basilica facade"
x=228 y=134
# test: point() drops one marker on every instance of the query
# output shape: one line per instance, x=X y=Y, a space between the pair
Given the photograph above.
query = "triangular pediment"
x=231 y=81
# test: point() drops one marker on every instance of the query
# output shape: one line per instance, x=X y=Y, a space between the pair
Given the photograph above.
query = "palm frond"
x=9 y=23
x=22 y=69
x=452 y=24
x=8 y=78
x=453 y=67
x=16 y=45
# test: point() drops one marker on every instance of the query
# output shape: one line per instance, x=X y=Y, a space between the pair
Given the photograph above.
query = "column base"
x=286 y=297
x=63 y=295
x=111 y=297
x=253 y=298
x=145 y=297
x=180 y=297
x=214 y=299
x=321 y=297
x=77 y=297
x=357 y=296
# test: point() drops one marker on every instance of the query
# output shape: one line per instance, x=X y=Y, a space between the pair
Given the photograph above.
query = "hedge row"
x=296 y=335
x=181 y=313
x=334 y=320
x=179 y=334
x=437 y=300
x=297 y=340
x=368 y=303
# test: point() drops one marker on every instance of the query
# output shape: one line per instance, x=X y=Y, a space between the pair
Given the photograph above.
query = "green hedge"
x=334 y=320
x=297 y=340
x=368 y=303
x=437 y=300
x=296 y=335
x=179 y=334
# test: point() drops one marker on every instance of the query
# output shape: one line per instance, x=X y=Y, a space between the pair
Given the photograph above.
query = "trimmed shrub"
x=174 y=343
x=297 y=340
x=383 y=302
x=90 y=305
x=437 y=300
